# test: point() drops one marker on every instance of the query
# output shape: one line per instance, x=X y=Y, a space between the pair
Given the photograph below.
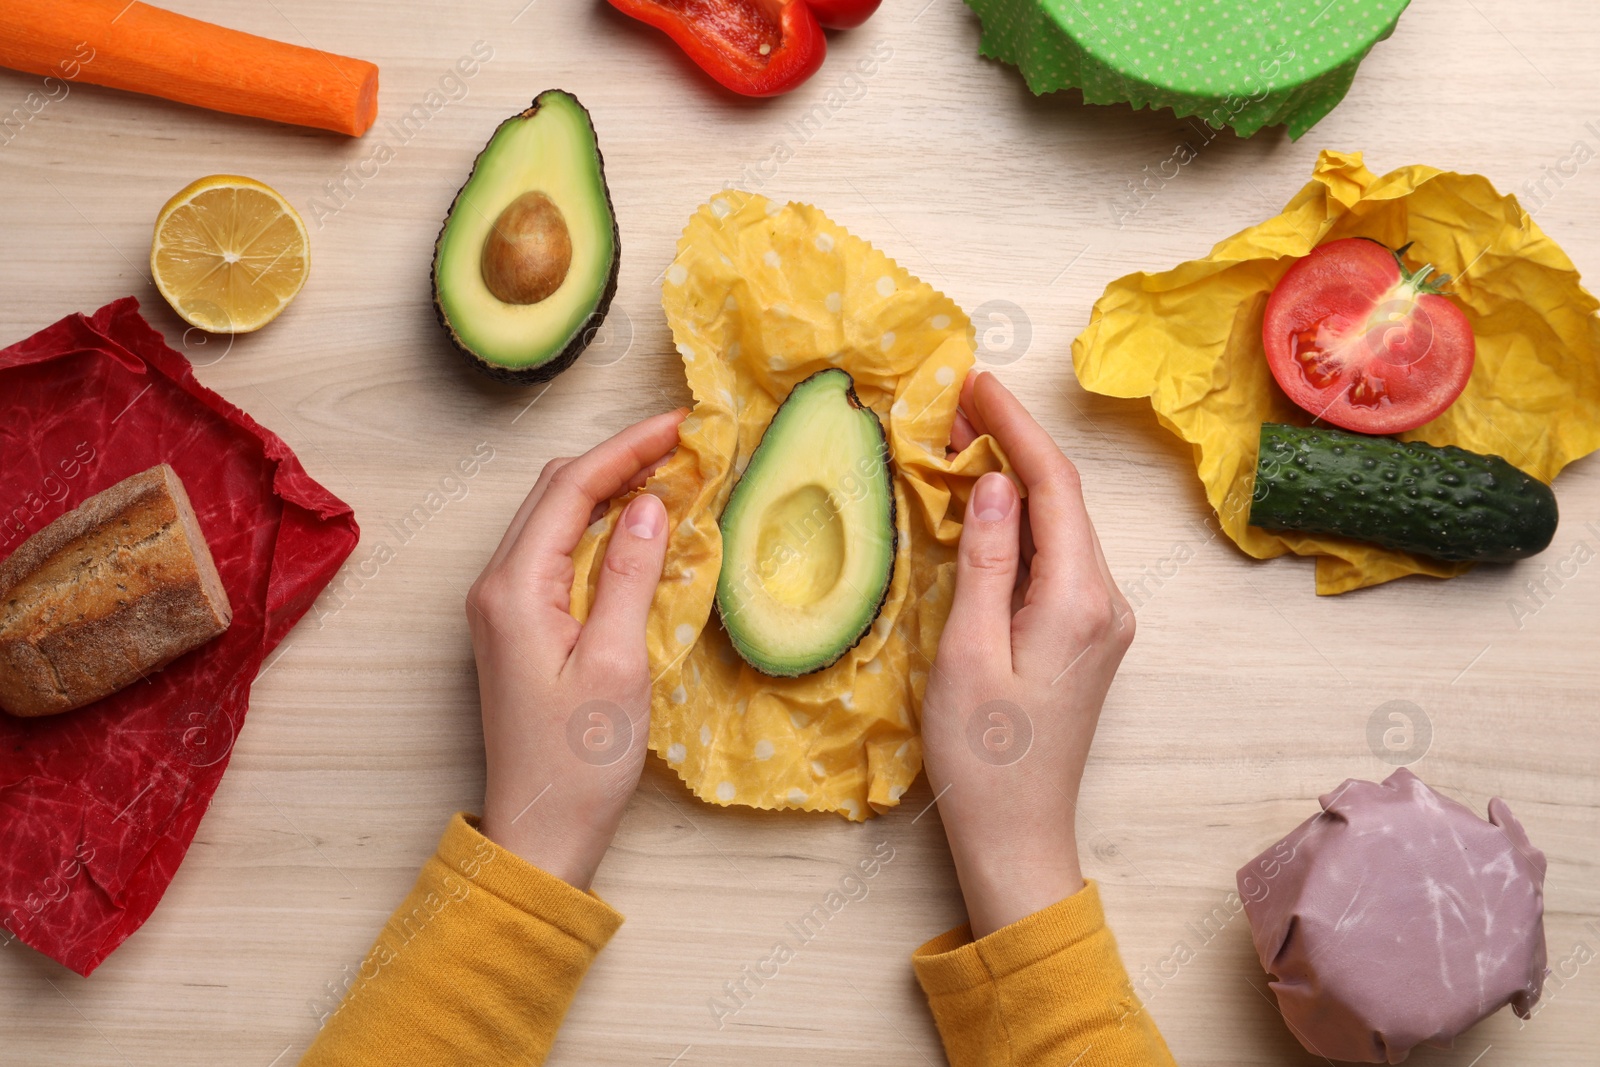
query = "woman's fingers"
x=1070 y=586
x=961 y=433
x=558 y=518
x=968 y=406
x=529 y=502
x=636 y=482
x=536 y=567
x=986 y=572
x=613 y=636
x=1027 y=538
x=1061 y=526
x=1100 y=560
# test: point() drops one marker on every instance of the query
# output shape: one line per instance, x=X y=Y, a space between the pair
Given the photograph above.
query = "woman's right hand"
x=1036 y=632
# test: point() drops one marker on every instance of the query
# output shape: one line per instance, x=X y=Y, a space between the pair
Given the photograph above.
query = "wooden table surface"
x=1244 y=697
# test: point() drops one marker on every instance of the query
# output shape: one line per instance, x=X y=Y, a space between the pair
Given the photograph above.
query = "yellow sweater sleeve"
x=477 y=966
x=1047 y=991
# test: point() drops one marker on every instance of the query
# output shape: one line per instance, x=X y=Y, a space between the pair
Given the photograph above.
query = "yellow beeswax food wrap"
x=1190 y=340
x=759 y=298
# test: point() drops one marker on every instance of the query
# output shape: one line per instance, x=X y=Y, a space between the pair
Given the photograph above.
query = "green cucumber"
x=1446 y=503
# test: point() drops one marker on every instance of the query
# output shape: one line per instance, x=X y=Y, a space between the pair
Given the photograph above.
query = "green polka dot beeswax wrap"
x=1239 y=63
x=760 y=297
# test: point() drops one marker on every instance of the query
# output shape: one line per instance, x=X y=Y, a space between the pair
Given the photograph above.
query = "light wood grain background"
x=1244 y=697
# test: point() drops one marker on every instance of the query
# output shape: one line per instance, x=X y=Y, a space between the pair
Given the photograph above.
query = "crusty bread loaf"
x=109 y=592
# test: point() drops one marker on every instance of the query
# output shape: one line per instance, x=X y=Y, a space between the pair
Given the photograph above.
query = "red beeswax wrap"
x=98 y=805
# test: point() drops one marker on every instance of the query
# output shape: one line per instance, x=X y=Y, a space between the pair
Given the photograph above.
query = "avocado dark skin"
x=581 y=338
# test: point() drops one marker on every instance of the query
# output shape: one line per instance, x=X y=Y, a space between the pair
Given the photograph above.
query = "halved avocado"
x=526 y=264
x=808 y=534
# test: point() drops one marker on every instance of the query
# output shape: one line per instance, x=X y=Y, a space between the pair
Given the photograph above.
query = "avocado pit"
x=528 y=251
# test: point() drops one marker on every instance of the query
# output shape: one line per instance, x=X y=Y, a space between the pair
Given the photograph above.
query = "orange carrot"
x=146 y=49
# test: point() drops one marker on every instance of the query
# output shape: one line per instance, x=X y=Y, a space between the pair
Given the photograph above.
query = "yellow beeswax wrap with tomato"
x=1190 y=340
x=760 y=297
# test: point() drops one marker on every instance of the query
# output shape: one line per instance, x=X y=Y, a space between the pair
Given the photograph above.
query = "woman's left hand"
x=566 y=707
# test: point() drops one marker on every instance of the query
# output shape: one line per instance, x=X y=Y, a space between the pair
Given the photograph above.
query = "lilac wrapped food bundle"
x=1397 y=917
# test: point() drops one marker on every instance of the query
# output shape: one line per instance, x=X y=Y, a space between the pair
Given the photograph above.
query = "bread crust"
x=106 y=594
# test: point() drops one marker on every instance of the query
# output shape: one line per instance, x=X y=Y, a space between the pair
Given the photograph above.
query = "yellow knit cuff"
x=582 y=916
x=954 y=963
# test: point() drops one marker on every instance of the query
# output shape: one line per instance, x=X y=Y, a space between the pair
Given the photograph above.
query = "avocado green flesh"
x=1438 y=501
x=550 y=148
x=808 y=534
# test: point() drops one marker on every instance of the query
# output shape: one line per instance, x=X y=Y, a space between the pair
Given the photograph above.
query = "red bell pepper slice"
x=842 y=14
x=754 y=47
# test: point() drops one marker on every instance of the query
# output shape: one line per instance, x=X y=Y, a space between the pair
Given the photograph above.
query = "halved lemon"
x=229 y=253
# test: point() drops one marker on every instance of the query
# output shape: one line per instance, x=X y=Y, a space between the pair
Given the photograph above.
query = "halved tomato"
x=1361 y=341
